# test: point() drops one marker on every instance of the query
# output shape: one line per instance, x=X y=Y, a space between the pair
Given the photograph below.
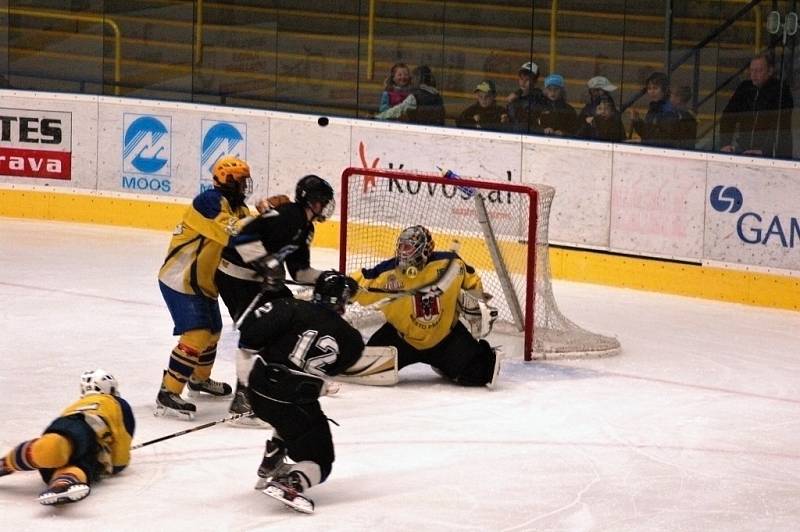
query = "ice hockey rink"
x=695 y=426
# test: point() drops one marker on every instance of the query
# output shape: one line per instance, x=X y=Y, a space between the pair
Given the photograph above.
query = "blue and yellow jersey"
x=423 y=320
x=112 y=419
x=197 y=243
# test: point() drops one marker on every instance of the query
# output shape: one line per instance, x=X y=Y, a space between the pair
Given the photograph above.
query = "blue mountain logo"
x=146 y=145
x=220 y=140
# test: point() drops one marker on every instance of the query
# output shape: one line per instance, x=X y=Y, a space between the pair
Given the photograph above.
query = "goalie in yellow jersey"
x=422 y=317
x=90 y=439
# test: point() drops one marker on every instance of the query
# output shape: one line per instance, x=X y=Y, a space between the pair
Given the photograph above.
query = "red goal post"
x=494 y=222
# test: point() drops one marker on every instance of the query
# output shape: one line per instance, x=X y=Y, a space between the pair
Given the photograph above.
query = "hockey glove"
x=272 y=202
x=478 y=315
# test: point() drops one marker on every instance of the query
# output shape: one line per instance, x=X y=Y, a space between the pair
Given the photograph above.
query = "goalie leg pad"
x=376 y=367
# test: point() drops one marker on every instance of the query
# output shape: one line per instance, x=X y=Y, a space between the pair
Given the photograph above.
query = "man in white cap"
x=524 y=104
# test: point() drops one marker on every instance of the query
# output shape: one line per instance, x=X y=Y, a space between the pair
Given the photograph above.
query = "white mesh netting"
x=378 y=207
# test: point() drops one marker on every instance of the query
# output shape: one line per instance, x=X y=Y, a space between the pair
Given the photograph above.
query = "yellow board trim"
x=735 y=286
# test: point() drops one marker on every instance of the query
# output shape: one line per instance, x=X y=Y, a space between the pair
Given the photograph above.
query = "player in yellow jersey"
x=187 y=284
x=424 y=327
x=90 y=439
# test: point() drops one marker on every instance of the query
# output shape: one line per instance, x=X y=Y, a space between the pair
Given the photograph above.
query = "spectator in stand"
x=605 y=124
x=598 y=88
x=687 y=122
x=485 y=113
x=758 y=117
x=424 y=105
x=557 y=116
x=659 y=126
x=525 y=103
x=396 y=87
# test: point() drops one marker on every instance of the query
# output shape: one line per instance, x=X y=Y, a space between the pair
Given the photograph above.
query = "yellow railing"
x=82 y=18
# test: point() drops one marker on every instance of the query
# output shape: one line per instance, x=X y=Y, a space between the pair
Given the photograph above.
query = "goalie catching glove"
x=476 y=313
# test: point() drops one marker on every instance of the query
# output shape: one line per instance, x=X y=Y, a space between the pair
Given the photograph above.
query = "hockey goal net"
x=501 y=229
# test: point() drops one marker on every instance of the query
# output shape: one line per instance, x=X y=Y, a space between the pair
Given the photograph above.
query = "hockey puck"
x=323 y=121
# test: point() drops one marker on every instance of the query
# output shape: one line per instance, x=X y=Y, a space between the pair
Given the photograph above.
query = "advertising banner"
x=753 y=216
x=581 y=174
x=657 y=205
x=39 y=143
x=167 y=151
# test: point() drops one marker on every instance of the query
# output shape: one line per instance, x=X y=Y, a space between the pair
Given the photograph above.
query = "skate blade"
x=199 y=394
x=75 y=493
x=250 y=422
x=163 y=411
x=299 y=503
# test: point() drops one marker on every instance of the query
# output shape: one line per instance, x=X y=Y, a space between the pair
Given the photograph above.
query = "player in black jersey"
x=253 y=263
x=293 y=344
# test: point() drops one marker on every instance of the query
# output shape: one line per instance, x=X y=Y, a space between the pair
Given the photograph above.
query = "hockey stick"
x=500 y=267
x=438 y=285
x=271 y=262
x=194 y=429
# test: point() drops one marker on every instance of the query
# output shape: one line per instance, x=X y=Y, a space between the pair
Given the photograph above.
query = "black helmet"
x=311 y=189
x=333 y=290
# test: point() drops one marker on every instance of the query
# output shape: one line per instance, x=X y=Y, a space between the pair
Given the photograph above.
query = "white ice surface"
x=695 y=426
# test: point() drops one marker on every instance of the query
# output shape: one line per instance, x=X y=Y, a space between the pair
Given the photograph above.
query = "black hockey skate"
x=274 y=455
x=64 y=489
x=172 y=403
x=241 y=405
x=209 y=386
x=288 y=489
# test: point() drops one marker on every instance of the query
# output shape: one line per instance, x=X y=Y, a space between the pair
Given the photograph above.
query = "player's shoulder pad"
x=208 y=203
x=376 y=271
x=447 y=255
x=127 y=414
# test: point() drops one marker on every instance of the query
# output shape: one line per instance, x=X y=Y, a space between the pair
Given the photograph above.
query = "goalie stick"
x=194 y=429
x=438 y=285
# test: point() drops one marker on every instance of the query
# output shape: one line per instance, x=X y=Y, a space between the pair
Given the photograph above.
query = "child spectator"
x=686 y=128
x=598 y=88
x=557 y=116
x=396 y=87
x=525 y=103
x=423 y=106
x=659 y=126
x=485 y=113
x=605 y=124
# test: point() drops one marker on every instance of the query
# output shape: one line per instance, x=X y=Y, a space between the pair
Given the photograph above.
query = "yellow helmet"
x=233 y=174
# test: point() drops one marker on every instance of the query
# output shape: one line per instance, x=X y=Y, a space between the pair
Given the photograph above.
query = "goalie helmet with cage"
x=98 y=381
x=414 y=249
x=313 y=189
x=333 y=290
x=233 y=174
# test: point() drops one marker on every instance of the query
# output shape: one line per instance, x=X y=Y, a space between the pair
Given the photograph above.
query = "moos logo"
x=146 y=145
x=220 y=139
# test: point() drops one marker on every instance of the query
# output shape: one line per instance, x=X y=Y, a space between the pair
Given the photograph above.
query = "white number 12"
x=315 y=364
